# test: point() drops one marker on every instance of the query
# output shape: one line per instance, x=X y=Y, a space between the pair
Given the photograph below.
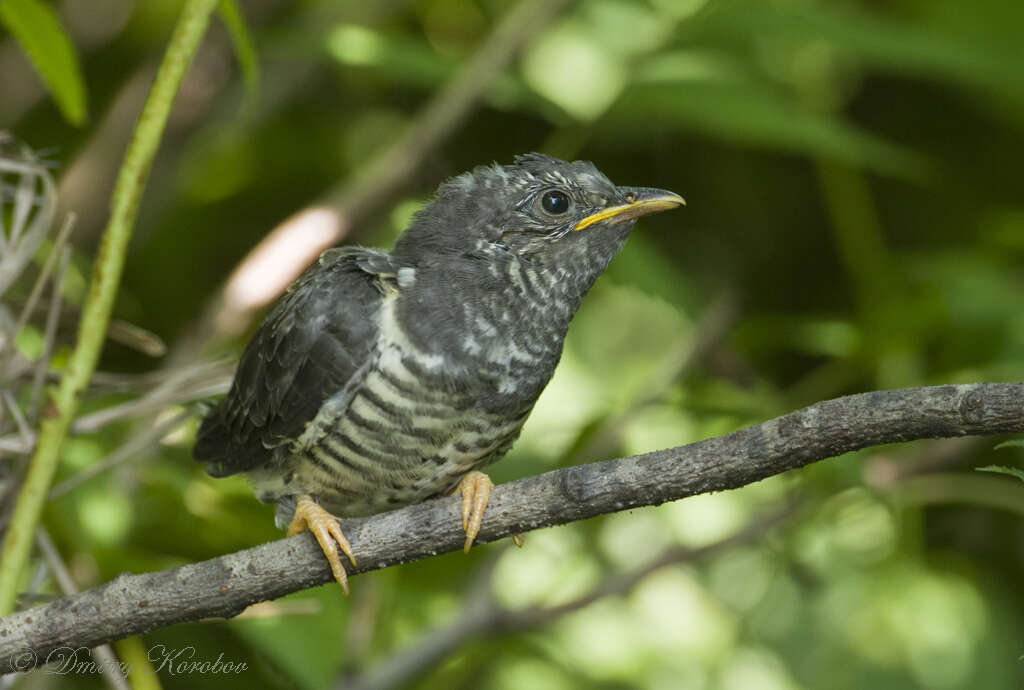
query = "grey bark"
x=224 y=586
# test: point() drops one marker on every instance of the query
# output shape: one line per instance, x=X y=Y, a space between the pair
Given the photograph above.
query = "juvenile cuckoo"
x=384 y=378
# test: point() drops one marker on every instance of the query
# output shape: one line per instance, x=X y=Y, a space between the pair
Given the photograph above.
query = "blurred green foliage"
x=853 y=171
x=34 y=25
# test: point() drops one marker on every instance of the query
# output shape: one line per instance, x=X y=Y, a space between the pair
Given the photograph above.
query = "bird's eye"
x=554 y=202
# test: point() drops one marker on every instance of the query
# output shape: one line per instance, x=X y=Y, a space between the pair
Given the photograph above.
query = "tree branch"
x=224 y=586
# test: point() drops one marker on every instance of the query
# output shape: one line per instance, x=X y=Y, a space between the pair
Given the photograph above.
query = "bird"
x=381 y=379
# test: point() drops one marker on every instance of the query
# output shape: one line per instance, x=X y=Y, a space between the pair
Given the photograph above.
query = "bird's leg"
x=312 y=516
x=476 y=489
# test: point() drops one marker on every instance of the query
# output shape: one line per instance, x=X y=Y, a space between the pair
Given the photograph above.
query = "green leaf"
x=245 y=49
x=1012 y=471
x=35 y=26
x=1014 y=443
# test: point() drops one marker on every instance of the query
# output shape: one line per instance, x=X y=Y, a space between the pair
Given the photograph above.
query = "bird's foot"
x=310 y=515
x=476 y=489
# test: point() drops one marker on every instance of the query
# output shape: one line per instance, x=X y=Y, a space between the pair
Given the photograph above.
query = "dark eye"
x=554 y=202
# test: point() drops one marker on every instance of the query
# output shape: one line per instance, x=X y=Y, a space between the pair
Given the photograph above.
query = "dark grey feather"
x=305 y=351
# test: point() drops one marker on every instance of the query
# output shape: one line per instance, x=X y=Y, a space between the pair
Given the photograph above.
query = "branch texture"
x=224 y=586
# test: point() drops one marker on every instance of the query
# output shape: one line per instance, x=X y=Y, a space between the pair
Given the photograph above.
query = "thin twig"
x=224 y=586
x=161 y=397
x=202 y=374
x=134 y=447
x=137 y=338
x=124 y=333
x=164 y=395
x=23 y=243
x=44 y=275
x=24 y=200
x=19 y=418
x=50 y=336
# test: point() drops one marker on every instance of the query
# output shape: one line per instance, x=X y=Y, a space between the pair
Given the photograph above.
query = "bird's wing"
x=308 y=348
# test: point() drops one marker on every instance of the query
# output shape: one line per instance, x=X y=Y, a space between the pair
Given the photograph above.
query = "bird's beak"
x=639 y=202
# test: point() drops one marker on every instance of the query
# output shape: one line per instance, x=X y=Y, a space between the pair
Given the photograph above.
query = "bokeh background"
x=855 y=178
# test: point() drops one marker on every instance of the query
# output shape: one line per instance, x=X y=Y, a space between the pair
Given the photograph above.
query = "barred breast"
x=409 y=425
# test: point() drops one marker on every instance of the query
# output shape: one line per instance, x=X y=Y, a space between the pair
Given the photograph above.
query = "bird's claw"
x=476 y=489
x=309 y=515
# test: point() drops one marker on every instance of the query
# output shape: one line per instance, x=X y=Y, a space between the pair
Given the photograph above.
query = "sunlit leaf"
x=998 y=469
x=35 y=26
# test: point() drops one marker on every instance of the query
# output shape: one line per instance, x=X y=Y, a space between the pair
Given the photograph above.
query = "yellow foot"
x=476 y=489
x=324 y=526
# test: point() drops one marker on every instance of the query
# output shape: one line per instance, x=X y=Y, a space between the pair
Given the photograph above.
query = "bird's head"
x=541 y=208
